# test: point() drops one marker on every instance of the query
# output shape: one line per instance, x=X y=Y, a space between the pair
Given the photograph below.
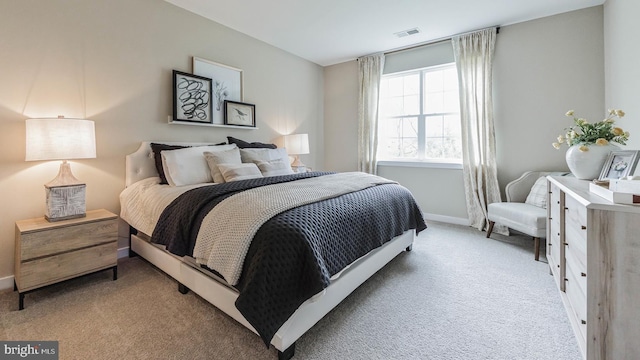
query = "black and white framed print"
x=226 y=82
x=191 y=98
x=239 y=114
x=619 y=164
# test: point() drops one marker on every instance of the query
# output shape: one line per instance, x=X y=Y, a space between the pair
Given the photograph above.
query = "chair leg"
x=536 y=246
x=490 y=228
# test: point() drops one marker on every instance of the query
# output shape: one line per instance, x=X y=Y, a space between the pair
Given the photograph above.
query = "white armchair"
x=518 y=215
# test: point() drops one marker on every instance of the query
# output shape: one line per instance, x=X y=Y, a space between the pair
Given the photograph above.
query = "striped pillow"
x=538 y=194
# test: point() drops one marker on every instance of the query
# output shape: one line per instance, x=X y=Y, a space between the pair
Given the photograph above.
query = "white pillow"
x=235 y=172
x=188 y=166
x=538 y=194
x=274 y=168
x=255 y=155
x=231 y=156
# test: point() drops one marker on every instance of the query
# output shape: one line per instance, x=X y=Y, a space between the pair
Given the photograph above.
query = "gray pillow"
x=231 y=156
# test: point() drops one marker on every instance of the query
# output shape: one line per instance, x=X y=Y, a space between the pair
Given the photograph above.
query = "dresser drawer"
x=554 y=202
x=56 y=240
x=578 y=269
x=48 y=270
x=554 y=245
x=575 y=217
x=577 y=300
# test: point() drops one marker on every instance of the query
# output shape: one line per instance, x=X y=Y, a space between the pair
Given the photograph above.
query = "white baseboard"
x=6 y=283
x=123 y=252
x=446 y=219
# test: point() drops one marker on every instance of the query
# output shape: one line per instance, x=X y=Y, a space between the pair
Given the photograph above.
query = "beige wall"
x=110 y=61
x=341 y=117
x=622 y=73
x=542 y=69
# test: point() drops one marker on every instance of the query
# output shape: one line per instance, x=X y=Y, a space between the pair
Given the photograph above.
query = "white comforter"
x=142 y=203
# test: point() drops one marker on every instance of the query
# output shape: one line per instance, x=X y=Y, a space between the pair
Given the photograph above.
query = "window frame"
x=421 y=122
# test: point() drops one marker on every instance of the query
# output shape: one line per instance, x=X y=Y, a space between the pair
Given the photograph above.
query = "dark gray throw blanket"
x=293 y=255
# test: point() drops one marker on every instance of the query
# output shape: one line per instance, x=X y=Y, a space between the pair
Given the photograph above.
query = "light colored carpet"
x=457 y=295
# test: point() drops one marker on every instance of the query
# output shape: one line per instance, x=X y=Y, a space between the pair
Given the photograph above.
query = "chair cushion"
x=538 y=194
x=526 y=218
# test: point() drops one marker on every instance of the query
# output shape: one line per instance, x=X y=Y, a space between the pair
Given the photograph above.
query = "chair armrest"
x=518 y=189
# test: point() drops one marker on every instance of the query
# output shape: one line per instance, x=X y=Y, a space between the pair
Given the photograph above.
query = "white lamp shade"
x=60 y=139
x=296 y=144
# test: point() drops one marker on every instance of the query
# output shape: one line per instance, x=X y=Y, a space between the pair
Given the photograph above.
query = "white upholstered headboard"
x=141 y=164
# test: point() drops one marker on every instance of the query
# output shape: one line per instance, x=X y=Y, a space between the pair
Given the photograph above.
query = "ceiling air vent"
x=404 y=33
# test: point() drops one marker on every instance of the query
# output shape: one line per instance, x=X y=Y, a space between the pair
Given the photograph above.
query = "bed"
x=145 y=204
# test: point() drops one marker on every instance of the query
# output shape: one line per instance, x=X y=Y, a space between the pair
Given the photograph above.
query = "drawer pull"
x=566 y=244
x=565 y=279
x=583 y=274
x=584 y=227
x=584 y=322
x=558 y=265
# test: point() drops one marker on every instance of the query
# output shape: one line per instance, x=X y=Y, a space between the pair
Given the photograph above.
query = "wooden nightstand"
x=51 y=252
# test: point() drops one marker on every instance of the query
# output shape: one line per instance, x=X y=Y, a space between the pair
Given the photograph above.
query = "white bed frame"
x=141 y=165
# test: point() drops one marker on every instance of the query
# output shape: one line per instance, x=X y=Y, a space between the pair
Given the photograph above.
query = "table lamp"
x=62 y=139
x=297 y=144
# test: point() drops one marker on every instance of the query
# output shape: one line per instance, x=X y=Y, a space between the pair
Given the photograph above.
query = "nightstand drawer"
x=49 y=270
x=56 y=240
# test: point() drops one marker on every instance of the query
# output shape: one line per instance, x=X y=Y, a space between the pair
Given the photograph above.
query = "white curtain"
x=474 y=58
x=369 y=74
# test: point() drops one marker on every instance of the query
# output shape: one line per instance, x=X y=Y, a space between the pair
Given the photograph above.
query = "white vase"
x=587 y=165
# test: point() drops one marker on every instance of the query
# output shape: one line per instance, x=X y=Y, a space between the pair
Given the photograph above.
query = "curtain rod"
x=431 y=42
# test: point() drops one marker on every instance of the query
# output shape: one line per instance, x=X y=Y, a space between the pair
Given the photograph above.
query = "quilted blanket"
x=227 y=230
x=294 y=254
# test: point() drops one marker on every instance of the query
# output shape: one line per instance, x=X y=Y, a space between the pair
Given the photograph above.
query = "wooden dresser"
x=593 y=249
x=50 y=252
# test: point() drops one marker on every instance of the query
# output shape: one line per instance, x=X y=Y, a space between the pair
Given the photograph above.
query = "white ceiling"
x=328 y=32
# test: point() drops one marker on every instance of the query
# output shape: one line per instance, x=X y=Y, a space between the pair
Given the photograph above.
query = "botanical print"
x=221 y=94
x=226 y=84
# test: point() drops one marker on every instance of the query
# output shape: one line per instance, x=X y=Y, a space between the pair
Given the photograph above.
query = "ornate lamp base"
x=65 y=196
x=65 y=202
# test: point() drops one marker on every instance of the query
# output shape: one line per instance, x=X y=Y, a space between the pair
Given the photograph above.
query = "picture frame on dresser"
x=227 y=84
x=239 y=114
x=192 y=98
x=619 y=164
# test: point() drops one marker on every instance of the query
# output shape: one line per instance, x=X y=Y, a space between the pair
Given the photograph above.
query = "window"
x=420 y=116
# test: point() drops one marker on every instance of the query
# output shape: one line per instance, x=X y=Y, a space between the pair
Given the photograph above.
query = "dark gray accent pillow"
x=247 y=145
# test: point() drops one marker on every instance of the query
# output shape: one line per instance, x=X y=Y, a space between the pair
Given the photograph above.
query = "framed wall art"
x=191 y=98
x=619 y=164
x=226 y=84
x=239 y=114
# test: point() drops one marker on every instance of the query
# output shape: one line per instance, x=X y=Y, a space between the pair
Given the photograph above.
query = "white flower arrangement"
x=584 y=133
